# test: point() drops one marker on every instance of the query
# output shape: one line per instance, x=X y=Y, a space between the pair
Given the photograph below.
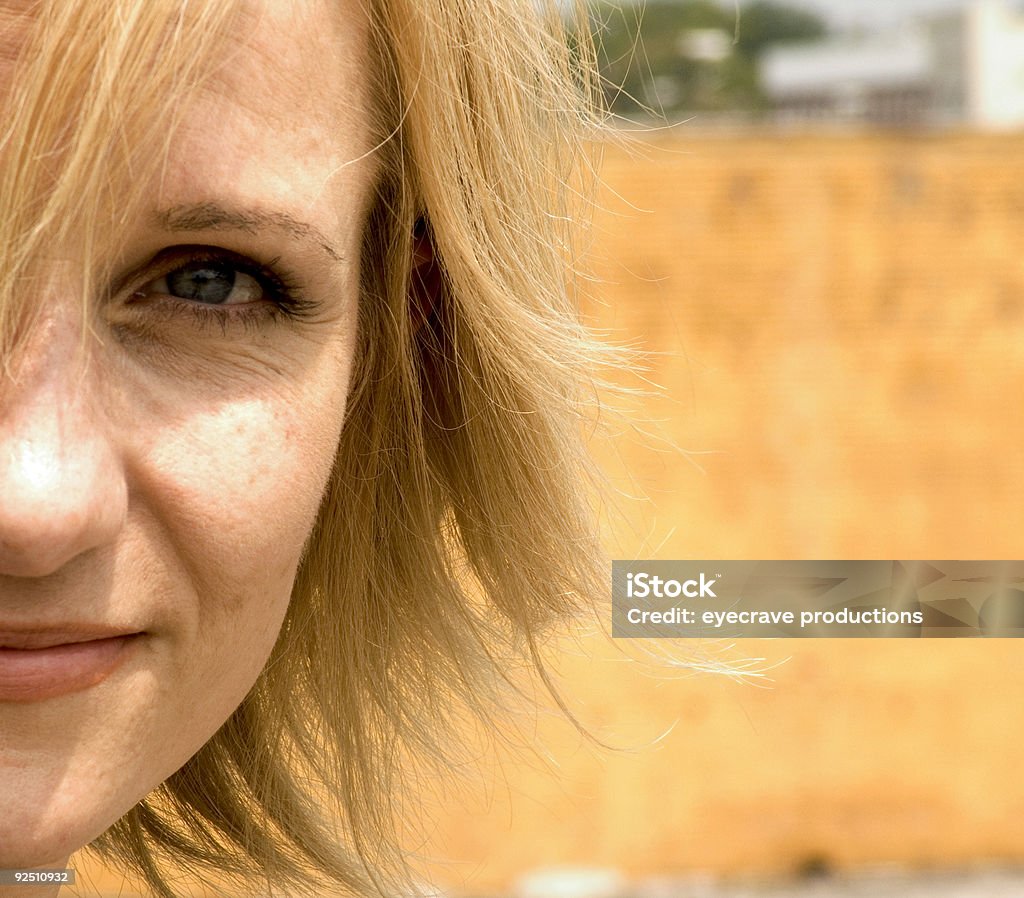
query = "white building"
x=963 y=67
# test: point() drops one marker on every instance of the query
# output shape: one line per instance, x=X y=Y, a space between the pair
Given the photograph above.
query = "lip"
x=43 y=637
x=42 y=663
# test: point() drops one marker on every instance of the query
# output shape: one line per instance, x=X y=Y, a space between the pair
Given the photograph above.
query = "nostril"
x=39 y=541
x=30 y=561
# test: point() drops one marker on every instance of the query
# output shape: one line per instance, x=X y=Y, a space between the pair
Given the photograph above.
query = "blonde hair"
x=455 y=528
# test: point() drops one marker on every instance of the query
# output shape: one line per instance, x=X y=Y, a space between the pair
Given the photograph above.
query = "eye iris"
x=202 y=282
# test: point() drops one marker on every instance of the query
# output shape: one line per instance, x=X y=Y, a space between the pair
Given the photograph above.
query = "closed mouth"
x=49 y=637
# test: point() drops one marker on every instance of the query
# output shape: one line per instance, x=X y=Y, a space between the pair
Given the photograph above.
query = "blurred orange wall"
x=837 y=325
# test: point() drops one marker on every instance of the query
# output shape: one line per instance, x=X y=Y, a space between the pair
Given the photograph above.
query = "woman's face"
x=165 y=488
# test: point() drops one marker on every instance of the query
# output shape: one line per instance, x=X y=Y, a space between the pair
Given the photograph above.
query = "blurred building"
x=962 y=67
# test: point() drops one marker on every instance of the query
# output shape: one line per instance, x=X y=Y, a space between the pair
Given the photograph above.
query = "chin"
x=33 y=836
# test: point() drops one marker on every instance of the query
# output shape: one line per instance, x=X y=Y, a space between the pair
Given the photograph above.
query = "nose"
x=62 y=486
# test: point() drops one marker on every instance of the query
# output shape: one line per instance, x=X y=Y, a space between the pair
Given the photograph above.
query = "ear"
x=425 y=284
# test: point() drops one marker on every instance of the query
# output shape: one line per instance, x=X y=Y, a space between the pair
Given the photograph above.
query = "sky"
x=870 y=12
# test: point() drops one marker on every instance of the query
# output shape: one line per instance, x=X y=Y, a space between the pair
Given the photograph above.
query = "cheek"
x=231 y=439
x=236 y=490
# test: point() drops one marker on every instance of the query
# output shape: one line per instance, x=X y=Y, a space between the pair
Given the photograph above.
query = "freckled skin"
x=169 y=481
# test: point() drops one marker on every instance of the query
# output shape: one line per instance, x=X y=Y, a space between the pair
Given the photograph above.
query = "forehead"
x=296 y=59
x=289 y=58
x=286 y=109
x=274 y=26
x=276 y=114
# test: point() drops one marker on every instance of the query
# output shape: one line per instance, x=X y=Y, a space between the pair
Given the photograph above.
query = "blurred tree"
x=671 y=57
x=764 y=23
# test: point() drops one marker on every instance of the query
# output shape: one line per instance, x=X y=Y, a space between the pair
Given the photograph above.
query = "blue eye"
x=202 y=282
x=212 y=281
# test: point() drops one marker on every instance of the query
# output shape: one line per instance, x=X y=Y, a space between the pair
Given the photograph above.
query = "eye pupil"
x=202 y=282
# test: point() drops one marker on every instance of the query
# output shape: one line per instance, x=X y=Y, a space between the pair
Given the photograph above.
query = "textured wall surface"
x=838 y=324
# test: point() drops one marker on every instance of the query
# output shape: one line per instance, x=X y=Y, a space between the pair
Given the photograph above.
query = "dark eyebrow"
x=212 y=217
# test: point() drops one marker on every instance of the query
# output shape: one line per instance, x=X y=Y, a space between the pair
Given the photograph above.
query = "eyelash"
x=283 y=293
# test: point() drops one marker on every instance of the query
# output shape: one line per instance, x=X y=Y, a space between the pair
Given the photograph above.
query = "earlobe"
x=425 y=284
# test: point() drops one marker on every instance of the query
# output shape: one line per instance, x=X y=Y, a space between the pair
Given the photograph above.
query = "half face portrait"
x=166 y=447
x=290 y=400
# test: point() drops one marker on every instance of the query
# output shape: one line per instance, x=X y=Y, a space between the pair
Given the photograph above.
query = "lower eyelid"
x=165 y=313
